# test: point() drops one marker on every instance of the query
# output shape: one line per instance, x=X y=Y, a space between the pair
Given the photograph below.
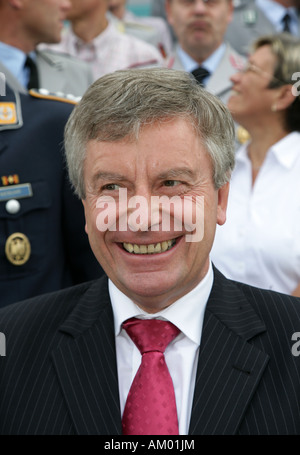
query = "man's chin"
x=153 y=290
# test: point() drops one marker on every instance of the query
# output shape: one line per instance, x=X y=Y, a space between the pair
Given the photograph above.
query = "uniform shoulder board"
x=45 y=94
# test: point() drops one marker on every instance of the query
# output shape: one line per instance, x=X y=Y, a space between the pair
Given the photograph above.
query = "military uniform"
x=249 y=23
x=219 y=82
x=57 y=72
x=43 y=245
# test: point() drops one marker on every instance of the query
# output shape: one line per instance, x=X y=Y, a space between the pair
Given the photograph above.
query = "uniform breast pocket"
x=24 y=228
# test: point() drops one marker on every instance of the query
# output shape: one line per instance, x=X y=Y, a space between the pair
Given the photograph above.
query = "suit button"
x=13 y=206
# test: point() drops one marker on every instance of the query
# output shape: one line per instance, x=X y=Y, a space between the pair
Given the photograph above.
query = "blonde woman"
x=260 y=241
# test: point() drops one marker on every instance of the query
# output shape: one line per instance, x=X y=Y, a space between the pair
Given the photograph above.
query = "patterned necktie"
x=33 y=81
x=150 y=408
x=286 y=21
x=200 y=74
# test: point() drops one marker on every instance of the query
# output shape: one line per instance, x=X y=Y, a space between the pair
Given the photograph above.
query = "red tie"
x=150 y=408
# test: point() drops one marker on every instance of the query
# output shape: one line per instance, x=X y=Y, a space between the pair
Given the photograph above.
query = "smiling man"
x=164 y=344
x=165 y=161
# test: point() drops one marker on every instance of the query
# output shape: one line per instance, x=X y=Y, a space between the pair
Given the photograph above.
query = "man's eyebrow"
x=116 y=177
x=177 y=173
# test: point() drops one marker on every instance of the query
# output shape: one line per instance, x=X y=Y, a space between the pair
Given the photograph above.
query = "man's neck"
x=13 y=36
x=89 y=28
x=201 y=54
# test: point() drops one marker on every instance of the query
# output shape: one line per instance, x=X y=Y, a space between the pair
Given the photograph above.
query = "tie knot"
x=200 y=74
x=150 y=334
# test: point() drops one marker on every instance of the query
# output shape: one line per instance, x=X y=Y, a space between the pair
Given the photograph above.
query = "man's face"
x=43 y=19
x=166 y=160
x=117 y=7
x=199 y=25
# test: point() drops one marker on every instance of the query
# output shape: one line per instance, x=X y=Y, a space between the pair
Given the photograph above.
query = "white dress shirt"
x=181 y=355
x=210 y=64
x=108 y=52
x=14 y=60
x=260 y=242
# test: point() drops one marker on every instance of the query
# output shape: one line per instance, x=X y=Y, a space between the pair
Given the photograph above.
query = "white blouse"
x=260 y=242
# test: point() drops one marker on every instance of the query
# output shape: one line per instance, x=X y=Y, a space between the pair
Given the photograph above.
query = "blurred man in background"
x=25 y=24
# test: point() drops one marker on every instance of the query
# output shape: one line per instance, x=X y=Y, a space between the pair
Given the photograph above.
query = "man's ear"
x=168 y=11
x=231 y=11
x=16 y=4
x=223 y=193
x=85 y=226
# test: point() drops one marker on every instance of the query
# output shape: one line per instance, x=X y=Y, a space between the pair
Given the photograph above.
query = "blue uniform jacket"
x=56 y=253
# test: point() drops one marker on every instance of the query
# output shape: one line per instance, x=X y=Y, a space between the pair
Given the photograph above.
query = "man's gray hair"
x=119 y=104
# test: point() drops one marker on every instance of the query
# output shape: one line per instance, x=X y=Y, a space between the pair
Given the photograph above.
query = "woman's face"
x=251 y=99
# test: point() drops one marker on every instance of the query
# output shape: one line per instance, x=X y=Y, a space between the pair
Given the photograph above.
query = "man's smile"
x=152 y=248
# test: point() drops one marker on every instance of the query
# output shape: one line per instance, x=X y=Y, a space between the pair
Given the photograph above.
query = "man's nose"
x=66 y=5
x=199 y=6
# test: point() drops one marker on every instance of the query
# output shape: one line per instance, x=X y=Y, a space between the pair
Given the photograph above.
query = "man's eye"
x=111 y=187
x=171 y=182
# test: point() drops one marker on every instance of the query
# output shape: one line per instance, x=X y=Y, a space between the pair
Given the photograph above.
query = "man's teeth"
x=149 y=249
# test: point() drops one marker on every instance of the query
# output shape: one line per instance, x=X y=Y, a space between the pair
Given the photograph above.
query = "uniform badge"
x=8 y=114
x=11 y=191
x=250 y=17
x=17 y=249
x=12 y=179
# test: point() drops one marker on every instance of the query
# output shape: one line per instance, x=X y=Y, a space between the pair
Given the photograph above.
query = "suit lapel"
x=86 y=365
x=174 y=61
x=219 y=83
x=229 y=367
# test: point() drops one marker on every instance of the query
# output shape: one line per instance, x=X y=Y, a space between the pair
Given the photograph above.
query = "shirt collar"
x=14 y=59
x=187 y=313
x=286 y=151
x=210 y=64
x=96 y=42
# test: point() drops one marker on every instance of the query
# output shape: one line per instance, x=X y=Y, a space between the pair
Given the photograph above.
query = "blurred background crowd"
x=247 y=52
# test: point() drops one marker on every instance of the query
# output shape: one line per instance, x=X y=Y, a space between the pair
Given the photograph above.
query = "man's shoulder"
x=54 y=99
x=37 y=107
x=133 y=45
x=54 y=57
x=242 y=5
x=233 y=57
x=275 y=307
x=266 y=302
x=51 y=308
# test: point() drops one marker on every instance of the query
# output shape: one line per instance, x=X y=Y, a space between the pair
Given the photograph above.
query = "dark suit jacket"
x=53 y=217
x=59 y=375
